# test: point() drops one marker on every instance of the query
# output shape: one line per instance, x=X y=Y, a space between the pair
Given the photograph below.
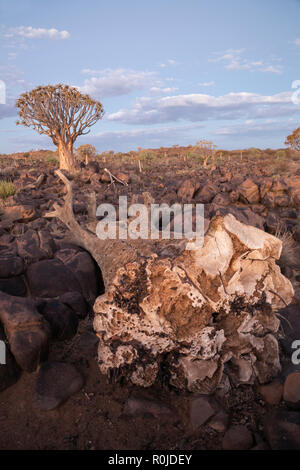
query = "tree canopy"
x=293 y=140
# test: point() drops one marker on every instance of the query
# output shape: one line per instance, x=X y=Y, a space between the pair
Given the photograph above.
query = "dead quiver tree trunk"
x=187 y=316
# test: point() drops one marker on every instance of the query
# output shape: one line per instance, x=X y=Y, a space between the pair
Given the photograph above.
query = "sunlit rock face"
x=186 y=320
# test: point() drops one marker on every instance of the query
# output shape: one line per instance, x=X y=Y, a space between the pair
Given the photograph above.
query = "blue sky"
x=166 y=71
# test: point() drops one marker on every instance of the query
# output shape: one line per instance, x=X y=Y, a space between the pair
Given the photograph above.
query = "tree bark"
x=66 y=157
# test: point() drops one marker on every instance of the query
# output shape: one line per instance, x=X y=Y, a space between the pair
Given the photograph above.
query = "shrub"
x=7 y=188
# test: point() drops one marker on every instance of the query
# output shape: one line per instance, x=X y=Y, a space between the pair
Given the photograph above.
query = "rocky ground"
x=52 y=393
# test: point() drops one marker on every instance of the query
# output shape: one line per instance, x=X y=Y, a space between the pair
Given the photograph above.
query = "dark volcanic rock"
x=282 y=430
x=10 y=265
x=201 y=409
x=237 y=438
x=56 y=382
x=135 y=406
x=62 y=319
x=291 y=326
x=29 y=247
x=10 y=371
x=76 y=302
x=14 y=286
x=291 y=389
x=26 y=330
x=83 y=267
x=51 y=278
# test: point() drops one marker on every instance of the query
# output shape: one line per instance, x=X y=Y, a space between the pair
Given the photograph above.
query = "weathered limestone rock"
x=188 y=316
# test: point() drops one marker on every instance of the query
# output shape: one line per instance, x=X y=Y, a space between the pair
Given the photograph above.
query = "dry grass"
x=290 y=256
x=7 y=188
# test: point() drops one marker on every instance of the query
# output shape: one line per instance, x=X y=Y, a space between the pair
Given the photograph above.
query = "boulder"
x=10 y=371
x=29 y=248
x=10 y=265
x=26 y=330
x=249 y=191
x=62 y=319
x=237 y=438
x=206 y=194
x=51 y=278
x=226 y=289
x=14 y=286
x=83 y=268
x=291 y=389
x=76 y=302
x=56 y=382
x=272 y=393
x=201 y=410
x=282 y=430
x=187 y=190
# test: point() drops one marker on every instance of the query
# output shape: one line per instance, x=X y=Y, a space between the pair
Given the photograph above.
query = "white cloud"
x=169 y=62
x=233 y=60
x=37 y=33
x=297 y=42
x=267 y=128
x=115 y=82
x=207 y=83
x=201 y=107
x=158 y=90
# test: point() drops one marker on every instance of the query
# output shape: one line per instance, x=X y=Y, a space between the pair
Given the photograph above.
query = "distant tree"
x=86 y=151
x=293 y=140
x=62 y=113
x=205 y=149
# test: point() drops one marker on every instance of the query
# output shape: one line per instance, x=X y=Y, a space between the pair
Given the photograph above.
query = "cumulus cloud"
x=233 y=60
x=37 y=33
x=115 y=82
x=159 y=90
x=202 y=107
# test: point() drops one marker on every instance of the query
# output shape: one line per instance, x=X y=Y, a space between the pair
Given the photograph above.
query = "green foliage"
x=7 y=188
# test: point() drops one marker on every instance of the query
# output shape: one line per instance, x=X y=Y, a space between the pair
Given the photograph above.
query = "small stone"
x=291 y=389
x=237 y=438
x=10 y=266
x=219 y=422
x=140 y=406
x=56 y=382
x=282 y=430
x=201 y=410
x=272 y=393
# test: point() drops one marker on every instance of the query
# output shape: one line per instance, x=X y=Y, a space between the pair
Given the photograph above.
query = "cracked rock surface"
x=186 y=319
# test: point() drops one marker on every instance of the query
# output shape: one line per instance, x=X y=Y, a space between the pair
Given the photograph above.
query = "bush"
x=7 y=188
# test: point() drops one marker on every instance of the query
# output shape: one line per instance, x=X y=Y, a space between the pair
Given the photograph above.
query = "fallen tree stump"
x=184 y=316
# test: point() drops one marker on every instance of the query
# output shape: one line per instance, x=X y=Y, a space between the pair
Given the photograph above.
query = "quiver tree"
x=62 y=113
x=293 y=140
x=186 y=317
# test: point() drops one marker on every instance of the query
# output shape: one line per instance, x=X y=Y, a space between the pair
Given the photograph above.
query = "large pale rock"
x=181 y=319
